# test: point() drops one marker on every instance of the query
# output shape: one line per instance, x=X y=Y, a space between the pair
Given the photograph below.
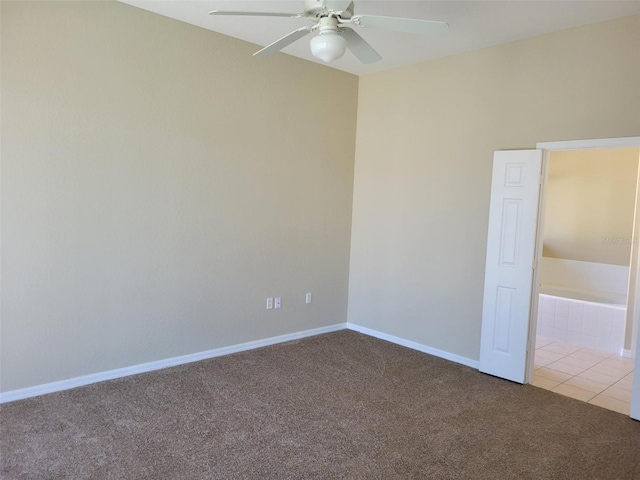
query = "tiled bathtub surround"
x=584 y=374
x=592 y=325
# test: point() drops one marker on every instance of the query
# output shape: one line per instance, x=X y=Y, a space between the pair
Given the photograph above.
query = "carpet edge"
x=414 y=345
x=58 y=386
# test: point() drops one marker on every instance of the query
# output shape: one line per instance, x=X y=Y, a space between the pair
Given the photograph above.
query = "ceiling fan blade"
x=337 y=5
x=283 y=42
x=254 y=14
x=406 y=25
x=359 y=47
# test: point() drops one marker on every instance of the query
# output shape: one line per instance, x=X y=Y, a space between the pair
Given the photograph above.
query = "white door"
x=513 y=220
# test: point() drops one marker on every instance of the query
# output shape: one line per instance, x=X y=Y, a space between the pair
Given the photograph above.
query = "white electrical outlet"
x=270 y=303
x=307 y=298
x=278 y=302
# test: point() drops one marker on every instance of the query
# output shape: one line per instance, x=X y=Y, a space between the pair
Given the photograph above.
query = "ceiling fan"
x=335 y=20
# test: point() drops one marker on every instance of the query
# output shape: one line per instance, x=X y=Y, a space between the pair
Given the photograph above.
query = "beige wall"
x=158 y=183
x=424 y=148
x=590 y=203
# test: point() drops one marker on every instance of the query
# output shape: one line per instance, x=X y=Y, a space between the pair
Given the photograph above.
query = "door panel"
x=511 y=241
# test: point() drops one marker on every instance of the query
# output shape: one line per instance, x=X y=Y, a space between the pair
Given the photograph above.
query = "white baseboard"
x=22 y=393
x=627 y=353
x=415 y=346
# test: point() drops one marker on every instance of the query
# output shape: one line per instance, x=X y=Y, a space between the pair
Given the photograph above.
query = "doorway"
x=514 y=248
x=583 y=342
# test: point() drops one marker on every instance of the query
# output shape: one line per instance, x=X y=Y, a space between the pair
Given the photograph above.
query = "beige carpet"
x=341 y=405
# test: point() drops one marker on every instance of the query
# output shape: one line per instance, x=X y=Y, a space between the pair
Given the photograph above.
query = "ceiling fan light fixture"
x=328 y=45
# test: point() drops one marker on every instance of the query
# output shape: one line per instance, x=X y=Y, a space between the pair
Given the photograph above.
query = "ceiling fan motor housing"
x=323 y=8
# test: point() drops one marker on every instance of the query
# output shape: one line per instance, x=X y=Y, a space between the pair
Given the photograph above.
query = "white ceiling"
x=473 y=24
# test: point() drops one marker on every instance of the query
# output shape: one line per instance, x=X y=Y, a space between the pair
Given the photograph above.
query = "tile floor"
x=585 y=374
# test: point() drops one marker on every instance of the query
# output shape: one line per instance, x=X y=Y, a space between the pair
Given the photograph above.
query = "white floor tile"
x=625 y=384
x=553 y=375
x=632 y=361
x=562 y=348
x=579 y=362
x=562 y=366
x=549 y=355
x=611 y=404
x=618 y=363
x=574 y=392
x=587 y=355
x=587 y=374
x=598 y=353
x=617 y=393
x=588 y=385
x=598 y=377
x=542 y=382
x=611 y=371
x=541 y=362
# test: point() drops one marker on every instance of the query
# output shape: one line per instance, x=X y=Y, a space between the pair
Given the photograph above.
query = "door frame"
x=548 y=147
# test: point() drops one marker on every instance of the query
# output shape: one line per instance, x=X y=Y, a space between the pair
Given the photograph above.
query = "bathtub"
x=587 y=318
x=592 y=296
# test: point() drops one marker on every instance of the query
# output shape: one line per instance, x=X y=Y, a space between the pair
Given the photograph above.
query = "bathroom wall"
x=590 y=203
